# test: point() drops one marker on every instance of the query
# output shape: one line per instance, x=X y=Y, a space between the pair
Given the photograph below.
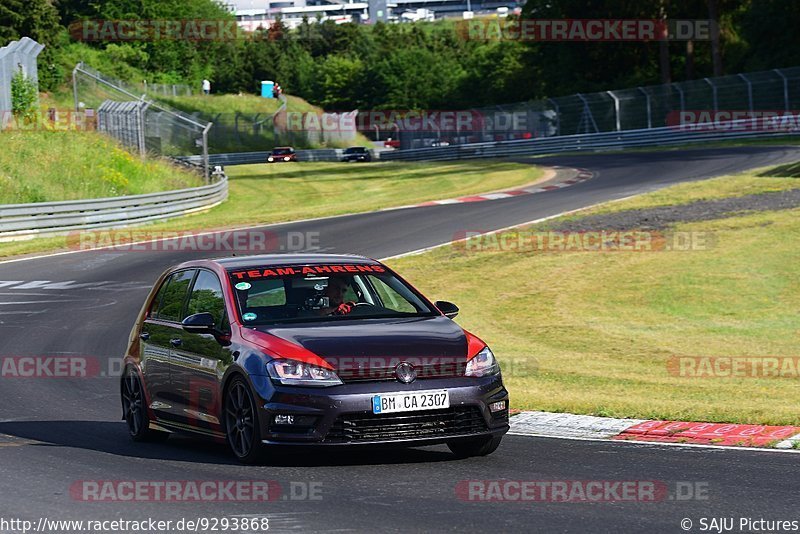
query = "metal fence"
x=645 y=138
x=247 y=158
x=26 y=221
x=162 y=130
x=253 y=132
x=16 y=56
x=637 y=108
x=165 y=89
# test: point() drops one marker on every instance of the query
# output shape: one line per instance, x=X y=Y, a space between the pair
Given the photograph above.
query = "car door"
x=160 y=332
x=198 y=364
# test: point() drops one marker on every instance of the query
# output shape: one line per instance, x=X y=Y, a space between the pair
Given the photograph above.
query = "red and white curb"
x=570 y=426
x=579 y=175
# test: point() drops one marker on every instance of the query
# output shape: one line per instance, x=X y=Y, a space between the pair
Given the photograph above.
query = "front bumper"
x=342 y=415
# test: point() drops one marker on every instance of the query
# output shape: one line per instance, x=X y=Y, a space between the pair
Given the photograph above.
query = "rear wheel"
x=134 y=409
x=482 y=446
x=241 y=423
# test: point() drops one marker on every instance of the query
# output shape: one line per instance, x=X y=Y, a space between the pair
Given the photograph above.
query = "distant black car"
x=356 y=153
x=306 y=350
x=282 y=153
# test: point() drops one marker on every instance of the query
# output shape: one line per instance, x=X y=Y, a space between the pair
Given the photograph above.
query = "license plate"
x=410 y=402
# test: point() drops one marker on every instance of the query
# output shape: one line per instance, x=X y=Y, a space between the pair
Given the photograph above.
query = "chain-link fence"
x=165 y=89
x=162 y=131
x=711 y=99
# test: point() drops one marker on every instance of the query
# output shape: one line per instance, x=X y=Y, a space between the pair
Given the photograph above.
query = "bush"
x=24 y=98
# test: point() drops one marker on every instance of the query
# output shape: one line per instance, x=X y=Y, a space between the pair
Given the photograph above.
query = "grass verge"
x=594 y=332
x=262 y=194
x=52 y=166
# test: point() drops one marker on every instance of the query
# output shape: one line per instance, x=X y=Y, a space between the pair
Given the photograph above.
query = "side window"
x=174 y=296
x=207 y=297
x=390 y=298
x=154 y=306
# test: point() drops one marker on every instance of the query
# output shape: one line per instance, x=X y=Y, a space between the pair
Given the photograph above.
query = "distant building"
x=252 y=14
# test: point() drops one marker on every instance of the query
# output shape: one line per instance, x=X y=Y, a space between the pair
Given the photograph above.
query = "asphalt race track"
x=56 y=432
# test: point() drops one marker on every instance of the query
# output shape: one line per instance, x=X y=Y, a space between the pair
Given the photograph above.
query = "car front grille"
x=410 y=425
x=379 y=374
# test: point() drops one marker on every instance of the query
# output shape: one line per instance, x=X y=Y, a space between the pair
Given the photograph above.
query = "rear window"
x=282 y=151
x=272 y=294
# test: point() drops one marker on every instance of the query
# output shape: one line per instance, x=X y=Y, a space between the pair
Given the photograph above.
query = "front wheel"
x=241 y=423
x=134 y=409
x=482 y=446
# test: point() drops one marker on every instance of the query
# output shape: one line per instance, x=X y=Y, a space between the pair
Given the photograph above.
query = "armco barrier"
x=245 y=158
x=654 y=137
x=25 y=221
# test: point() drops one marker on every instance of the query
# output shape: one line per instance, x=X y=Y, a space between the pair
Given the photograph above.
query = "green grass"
x=245 y=104
x=593 y=332
x=213 y=104
x=261 y=194
x=247 y=131
x=747 y=183
x=51 y=166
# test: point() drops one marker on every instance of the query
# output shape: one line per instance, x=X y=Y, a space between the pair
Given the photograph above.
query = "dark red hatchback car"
x=325 y=350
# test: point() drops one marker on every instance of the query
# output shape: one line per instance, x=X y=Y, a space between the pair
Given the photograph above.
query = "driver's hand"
x=344 y=308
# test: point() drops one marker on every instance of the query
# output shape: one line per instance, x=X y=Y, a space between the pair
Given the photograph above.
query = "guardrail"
x=245 y=158
x=25 y=221
x=654 y=137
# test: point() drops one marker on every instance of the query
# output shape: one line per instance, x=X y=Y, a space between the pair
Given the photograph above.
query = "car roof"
x=240 y=262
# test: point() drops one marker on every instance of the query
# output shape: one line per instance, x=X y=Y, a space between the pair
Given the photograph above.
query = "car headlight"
x=482 y=364
x=295 y=373
x=270 y=159
x=286 y=158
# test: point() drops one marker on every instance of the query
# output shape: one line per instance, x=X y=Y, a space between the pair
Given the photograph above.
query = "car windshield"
x=355 y=150
x=288 y=294
x=282 y=151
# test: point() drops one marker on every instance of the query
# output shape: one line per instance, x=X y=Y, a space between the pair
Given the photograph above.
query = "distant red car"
x=391 y=143
x=282 y=153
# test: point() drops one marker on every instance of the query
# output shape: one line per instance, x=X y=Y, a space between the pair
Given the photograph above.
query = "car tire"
x=482 y=446
x=134 y=409
x=242 y=428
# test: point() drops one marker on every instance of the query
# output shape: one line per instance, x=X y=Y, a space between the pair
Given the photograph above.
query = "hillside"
x=78 y=165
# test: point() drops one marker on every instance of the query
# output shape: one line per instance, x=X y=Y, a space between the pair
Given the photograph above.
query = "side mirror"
x=447 y=308
x=199 y=323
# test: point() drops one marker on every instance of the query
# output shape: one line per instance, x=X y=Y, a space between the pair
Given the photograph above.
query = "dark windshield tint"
x=268 y=295
x=355 y=150
x=282 y=151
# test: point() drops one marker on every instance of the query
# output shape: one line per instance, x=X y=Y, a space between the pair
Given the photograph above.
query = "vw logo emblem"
x=405 y=372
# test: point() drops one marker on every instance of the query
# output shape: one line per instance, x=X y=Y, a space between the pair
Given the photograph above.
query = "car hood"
x=419 y=337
